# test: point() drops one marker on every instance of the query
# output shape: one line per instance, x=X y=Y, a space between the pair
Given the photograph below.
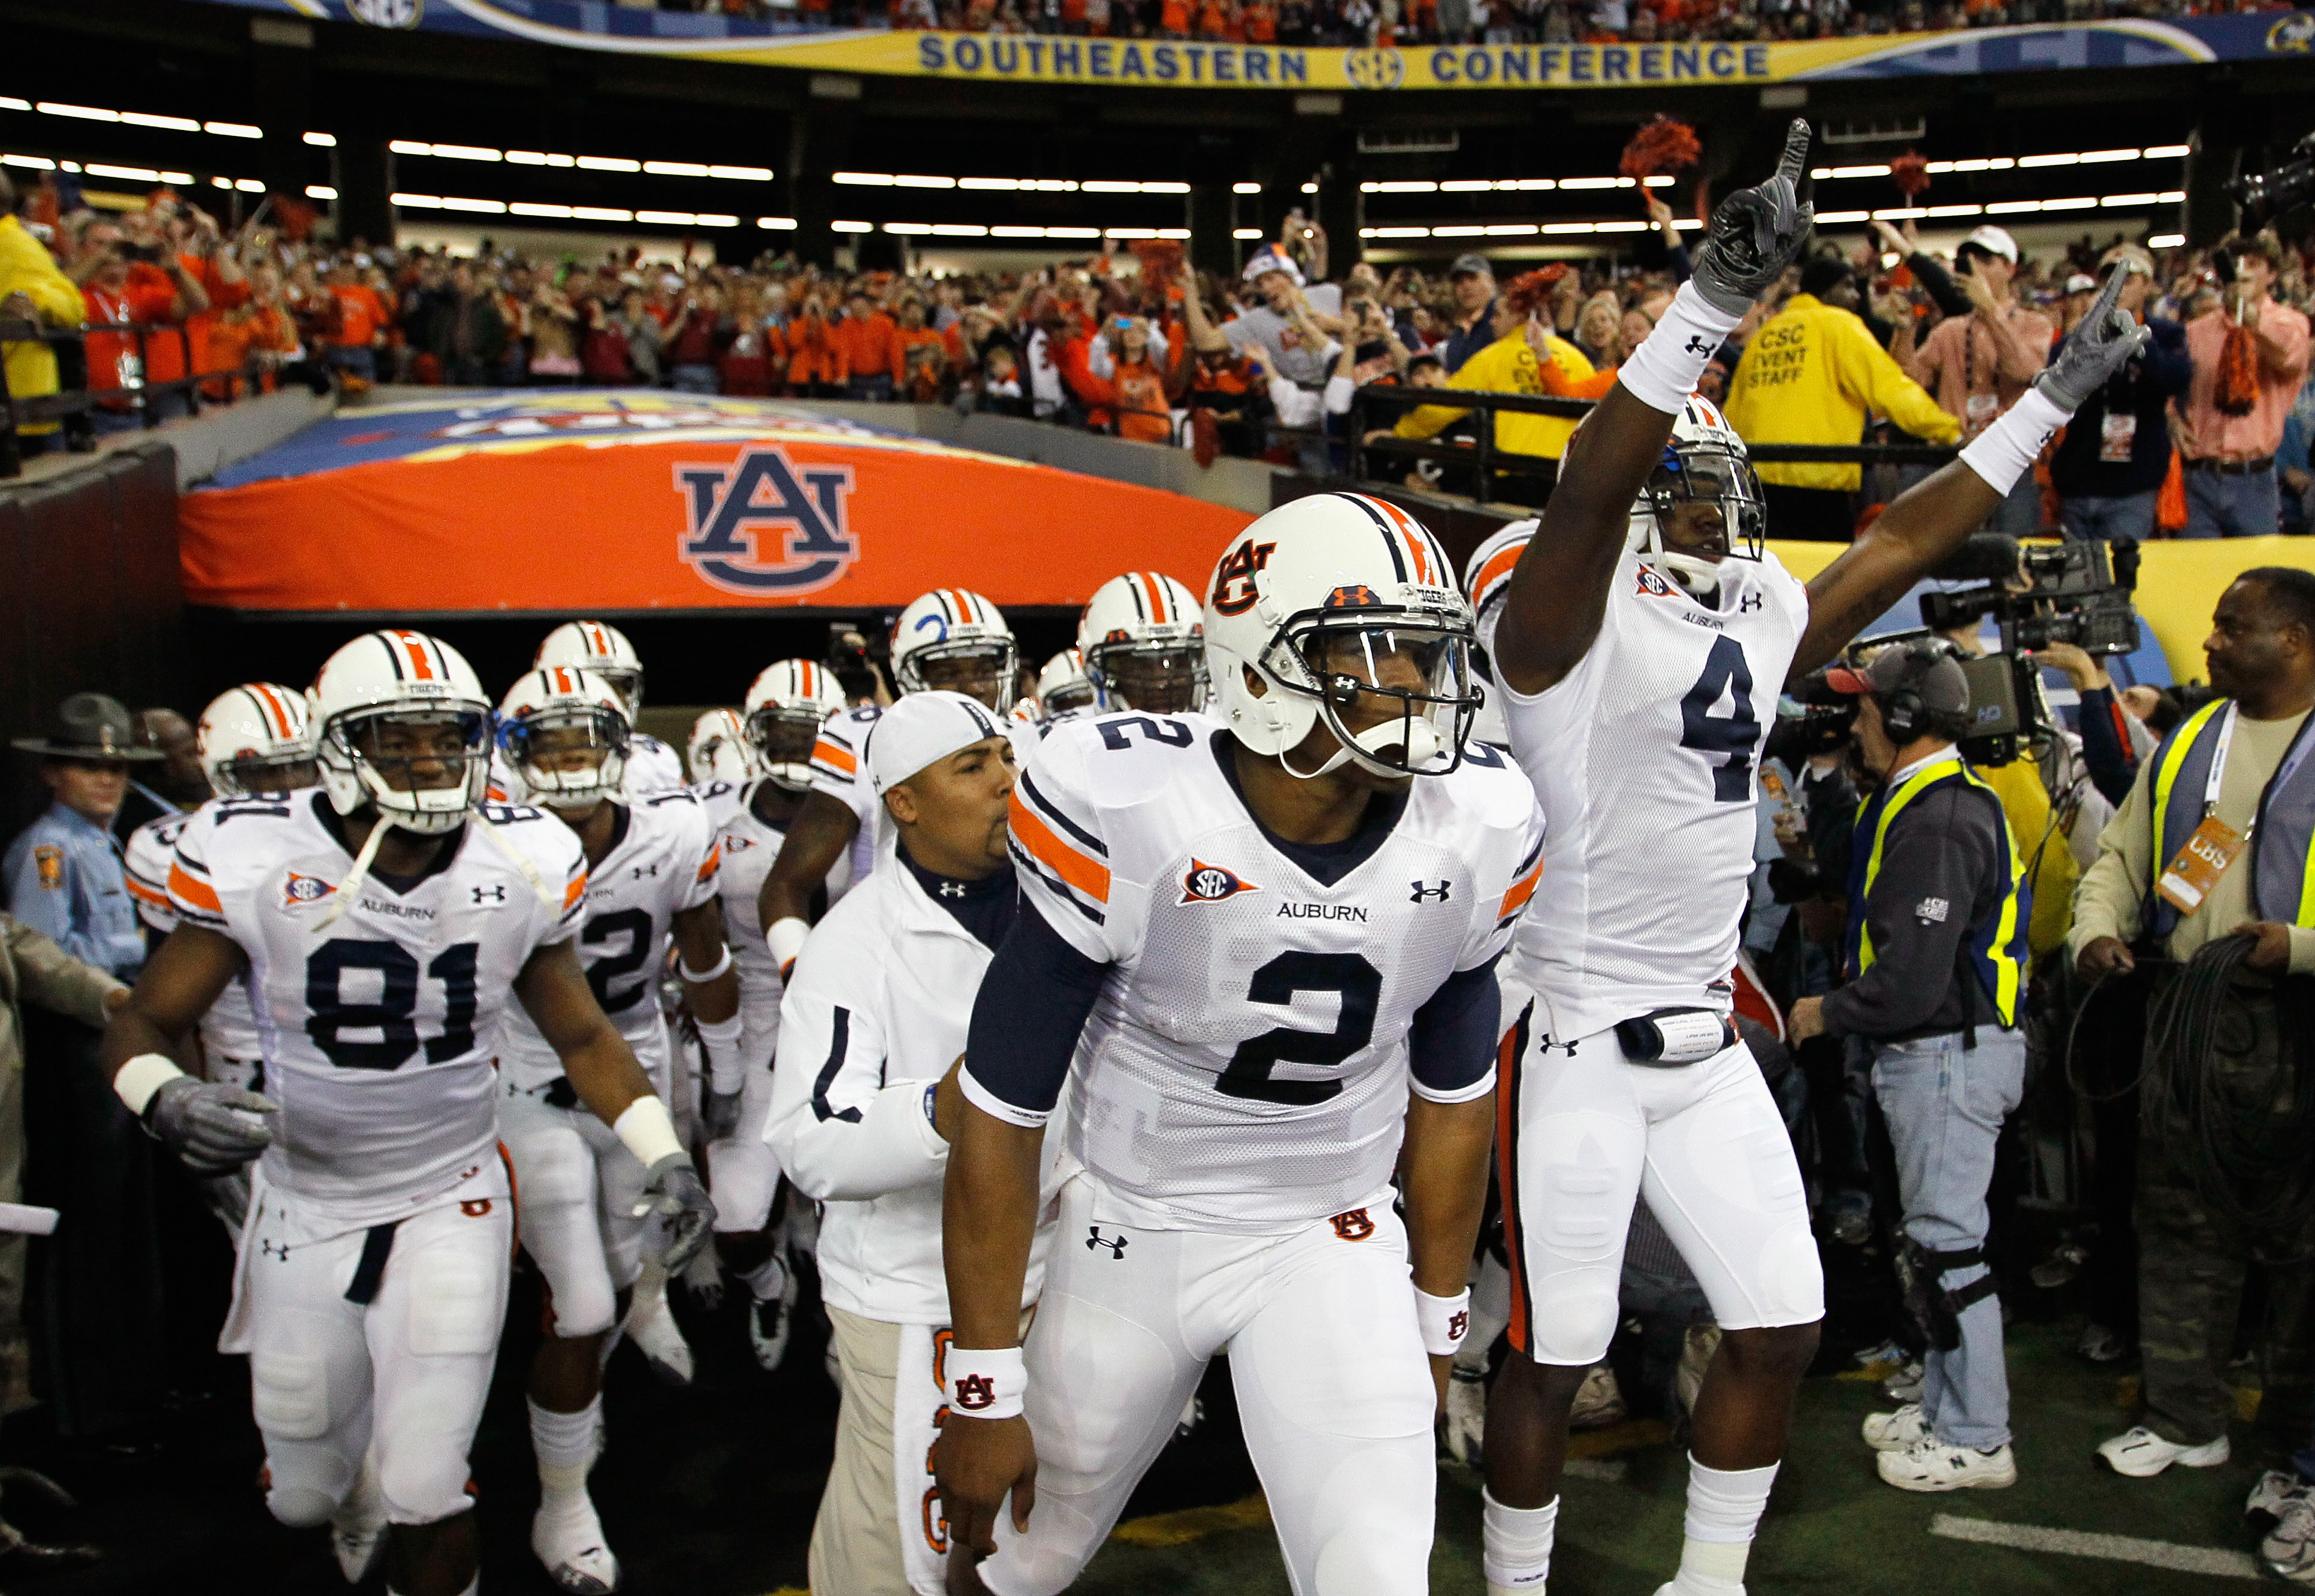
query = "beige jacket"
x=34 y=970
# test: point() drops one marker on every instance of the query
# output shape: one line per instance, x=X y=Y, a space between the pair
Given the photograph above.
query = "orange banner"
x=620 y=500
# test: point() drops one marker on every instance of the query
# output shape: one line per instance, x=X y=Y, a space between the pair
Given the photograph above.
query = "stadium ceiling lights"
x=1005 y=185
x=963 y=230
x=2004 y=207
x=2159 y=151
x=135 y=119
x=1523 y=185
x=562 y=213
x=473 y=152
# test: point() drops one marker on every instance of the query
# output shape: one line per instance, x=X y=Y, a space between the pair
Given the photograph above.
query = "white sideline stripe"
x=1594 y=1468
x=2118 y=1548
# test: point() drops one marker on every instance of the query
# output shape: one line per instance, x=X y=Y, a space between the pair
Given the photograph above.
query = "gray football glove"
x=1756 y=233
x=674 y=1191
x=721 y=1116
x=2107 y=338
x=215 y=1127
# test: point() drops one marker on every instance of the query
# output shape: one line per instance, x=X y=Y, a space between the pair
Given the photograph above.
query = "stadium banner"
x=616 y=501
x=1004 y=57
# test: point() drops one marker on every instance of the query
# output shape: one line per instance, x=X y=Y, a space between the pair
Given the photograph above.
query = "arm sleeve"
x=2105 y=744
x=705 y=853
x=1059 y=850
x=839 y=1134
x=1031 y=1006
x=1451 y=1048
x=53 y=978
x=1492 y=925
x=1887 y=389
x=1940 y=849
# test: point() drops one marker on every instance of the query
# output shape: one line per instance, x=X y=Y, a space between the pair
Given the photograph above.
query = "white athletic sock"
x=1515 y=1546
x=1724 y=1510
x=768 y=1279
x=565 y=1445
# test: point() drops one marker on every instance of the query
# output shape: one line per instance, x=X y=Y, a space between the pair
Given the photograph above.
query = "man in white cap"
x=1273 y=326
x=864 y=1103
x=1979 y=365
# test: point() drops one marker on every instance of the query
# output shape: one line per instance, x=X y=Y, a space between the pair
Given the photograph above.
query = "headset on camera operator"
x=1937 y=966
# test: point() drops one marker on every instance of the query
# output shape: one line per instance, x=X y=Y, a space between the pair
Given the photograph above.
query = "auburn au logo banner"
x=621 y=501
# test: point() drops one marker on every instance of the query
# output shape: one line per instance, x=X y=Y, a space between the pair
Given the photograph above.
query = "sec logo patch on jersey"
x=305 y=888
x=1211 y=883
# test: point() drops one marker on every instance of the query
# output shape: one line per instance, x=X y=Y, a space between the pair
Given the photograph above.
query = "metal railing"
x=1490 y=464
x=73 y=407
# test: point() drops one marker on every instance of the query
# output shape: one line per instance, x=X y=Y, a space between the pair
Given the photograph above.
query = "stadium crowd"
x=1929 y=927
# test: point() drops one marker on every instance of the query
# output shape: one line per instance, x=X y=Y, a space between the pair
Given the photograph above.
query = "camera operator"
x=1937 y=962
x=2109 y=466
x=2203 y=875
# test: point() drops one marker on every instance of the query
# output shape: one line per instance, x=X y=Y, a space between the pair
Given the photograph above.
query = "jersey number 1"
x=1359 y=986
x=1733 y=734
x=328 y=1014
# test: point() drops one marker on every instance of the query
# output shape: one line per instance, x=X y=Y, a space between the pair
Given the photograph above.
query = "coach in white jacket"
x=872 y=1029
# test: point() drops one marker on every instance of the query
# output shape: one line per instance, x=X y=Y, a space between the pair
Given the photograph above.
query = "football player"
x=1142 y=640
x=786 y=706
x=651 y=882
x=653 y=766
x=1261 y=952
x=950 y=639
x=383 y=925
x=720 y=761
x=1061 y=690
x=1640 y=647
x=256 y=738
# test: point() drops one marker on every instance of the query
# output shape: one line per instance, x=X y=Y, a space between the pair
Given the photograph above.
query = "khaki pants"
x=856 y=1539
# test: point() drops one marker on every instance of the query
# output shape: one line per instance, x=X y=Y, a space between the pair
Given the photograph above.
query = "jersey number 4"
x=1359 y=986
x=1733 y=734
x=329 y=1015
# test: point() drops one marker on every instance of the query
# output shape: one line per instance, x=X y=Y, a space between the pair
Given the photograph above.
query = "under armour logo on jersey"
x=1748 y=603
x=1422 y=892
x=975 y=1392
x=652 y=869
x=1211 y=883
x=1353 y=1226
x=1116 y=1244
x=274 y=1249
x=951 y=889
x=305 y=888
x=493 y=893
x=758 y=525
x=1566 y=1048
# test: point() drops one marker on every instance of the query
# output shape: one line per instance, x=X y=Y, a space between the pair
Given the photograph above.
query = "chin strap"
x=347 y=887
x=1421 y=747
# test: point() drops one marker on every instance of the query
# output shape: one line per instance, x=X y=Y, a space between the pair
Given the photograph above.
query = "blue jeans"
x=695 y=379
x=355 y=361
x=1945 y=1105
x=2020 y=514
x=2223 y=504
x=2113 y=515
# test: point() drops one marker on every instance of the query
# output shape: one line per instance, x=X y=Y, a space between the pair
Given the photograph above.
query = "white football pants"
x=579 y=1186
x=743 y=1174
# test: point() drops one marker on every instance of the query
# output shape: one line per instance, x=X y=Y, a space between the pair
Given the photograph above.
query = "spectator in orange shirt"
x=923 y=356
x=1174 y=19
x=1262 y=22
x=362 y=319
x=258 y=331
x=127 y=274
x=817 y=367
x=872 y=352
x=201 y=249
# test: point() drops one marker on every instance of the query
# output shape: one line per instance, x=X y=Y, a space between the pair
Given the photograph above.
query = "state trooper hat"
x=89 y=726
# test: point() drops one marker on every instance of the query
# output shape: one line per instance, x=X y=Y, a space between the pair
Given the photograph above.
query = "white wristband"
x=697 y=977
x=986 y=1382
x=786 y=939
x=2007 y=450
x=1442 y=1320
x=647 y=1132
x=721 y=1040
x=136 y=1081
x=1663 y=372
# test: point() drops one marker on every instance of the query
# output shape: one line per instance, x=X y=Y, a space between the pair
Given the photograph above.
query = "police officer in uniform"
x=65 y=875
x=1936 y=961
x=2203 y=874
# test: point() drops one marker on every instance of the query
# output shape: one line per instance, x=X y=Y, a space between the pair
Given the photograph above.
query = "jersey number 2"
x=1360 y=985
x=1733 y=734
x=329 y=1015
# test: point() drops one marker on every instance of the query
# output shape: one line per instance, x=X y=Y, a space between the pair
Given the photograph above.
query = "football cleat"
x=2139 y=1453
x=568 y=1538
x=771 y=1319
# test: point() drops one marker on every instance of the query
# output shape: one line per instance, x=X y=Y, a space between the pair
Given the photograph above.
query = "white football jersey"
x=229 y=1029
x=749 y=847
x=376 y=1027
x=662 y=860
x=720 y=799
x=653 y=766
x=1646 y=756
x=1246 y=1068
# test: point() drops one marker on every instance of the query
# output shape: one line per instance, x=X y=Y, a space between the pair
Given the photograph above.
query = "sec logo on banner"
x=760 y=527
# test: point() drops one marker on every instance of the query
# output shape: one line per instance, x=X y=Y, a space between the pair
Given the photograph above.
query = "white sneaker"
x=569 y=1540
x=1599 y=1401
x=2141 y=1454
x=358 y=1529
x=1931 y=1465
x=651 y=1326
x=2275 y=1492
x=1905 y=1384
x=1893 y=1432
x=2288 y=1551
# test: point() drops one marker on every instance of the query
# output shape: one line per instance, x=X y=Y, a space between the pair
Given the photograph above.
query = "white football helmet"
x=1704 y=462
x=787 y=703
x=1062 y=685
x=566 y=733
x=719 y=750
x=953 y=639
x=257 y=738
x=1143 y=639
x=1486 y=577
x=404 y=725
x=1324 y=606
x=601 y=650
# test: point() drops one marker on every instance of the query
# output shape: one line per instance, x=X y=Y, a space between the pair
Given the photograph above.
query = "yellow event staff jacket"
x=27 y=268
x=1508 y=366
x=1809 y=376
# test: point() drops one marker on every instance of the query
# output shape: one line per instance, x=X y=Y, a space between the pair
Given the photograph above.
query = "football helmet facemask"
x=565 y=735
x=956 y=640
x=402 y=725
x=601 y=650
x=1705 y=464
x=787 y=703
x=258 y=738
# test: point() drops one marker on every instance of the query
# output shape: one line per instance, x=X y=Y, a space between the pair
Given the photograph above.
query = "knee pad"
x=1572 y=1317
x=455 y=1305
x=290 y=1394
x=300 y=1507
x=1792 y=1278
x=553 y=1168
